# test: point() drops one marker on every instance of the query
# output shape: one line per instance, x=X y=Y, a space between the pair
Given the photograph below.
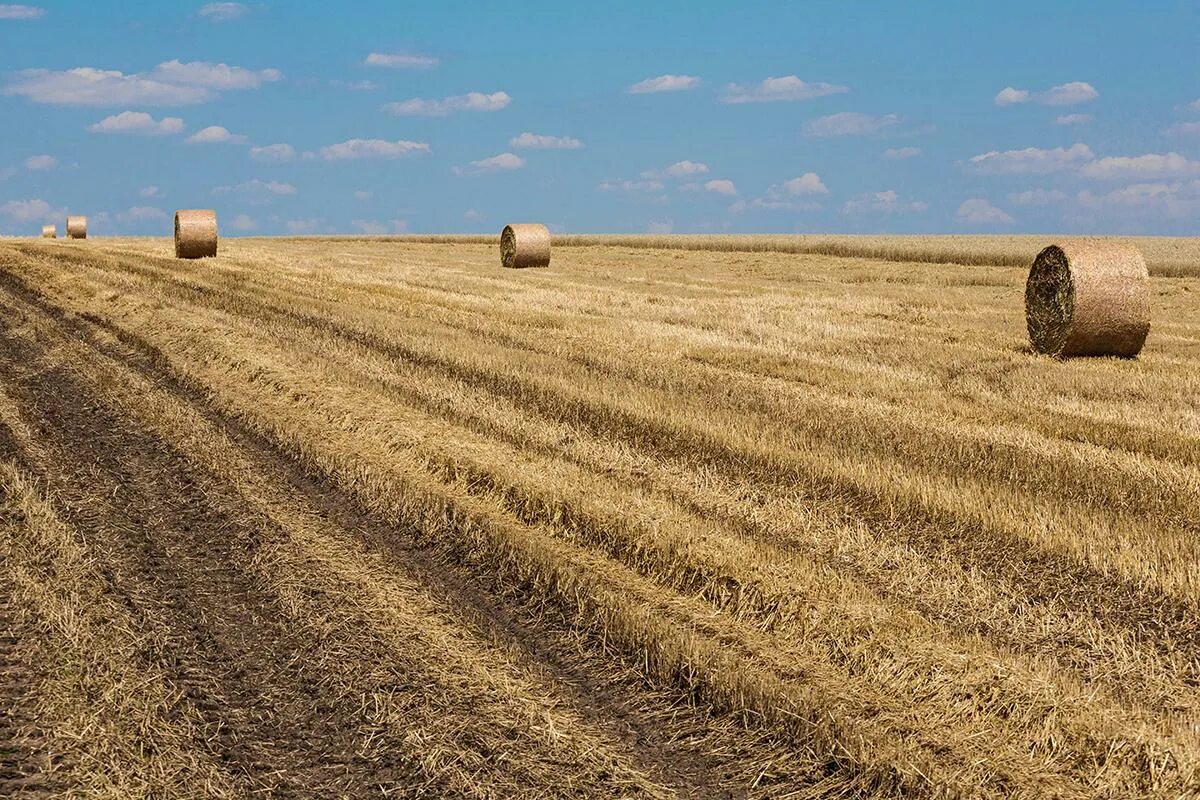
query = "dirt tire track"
x=176 y=553
x=24 y=762
x=612 y=701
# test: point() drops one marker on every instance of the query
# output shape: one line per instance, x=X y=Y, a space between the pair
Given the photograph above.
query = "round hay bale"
x=195 y=233
x=525 y=246
x=1088 y=298
x=76 y=227
x=49 y=232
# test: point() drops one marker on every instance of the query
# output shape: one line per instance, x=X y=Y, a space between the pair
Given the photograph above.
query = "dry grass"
x=833 y=503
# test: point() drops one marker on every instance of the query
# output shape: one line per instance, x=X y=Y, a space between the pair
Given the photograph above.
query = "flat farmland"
x=344 y=517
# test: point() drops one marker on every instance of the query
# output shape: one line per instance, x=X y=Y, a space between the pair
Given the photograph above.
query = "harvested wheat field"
x=342 y=518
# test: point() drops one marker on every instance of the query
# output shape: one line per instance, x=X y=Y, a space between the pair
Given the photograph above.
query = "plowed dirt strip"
x=196 y=564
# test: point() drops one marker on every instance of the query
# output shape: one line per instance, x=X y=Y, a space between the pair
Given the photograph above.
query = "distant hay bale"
x=1088 y=298
x=76 y=227
x=49 y=232
x=195 y=233
x=525 y=246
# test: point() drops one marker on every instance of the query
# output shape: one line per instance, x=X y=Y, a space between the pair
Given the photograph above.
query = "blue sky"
x=312 y=117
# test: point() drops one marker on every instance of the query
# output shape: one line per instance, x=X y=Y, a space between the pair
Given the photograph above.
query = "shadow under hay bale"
x=76 y=227
x=525 y=245
x=49 y=232
x=195 y=233
x=1088 y=298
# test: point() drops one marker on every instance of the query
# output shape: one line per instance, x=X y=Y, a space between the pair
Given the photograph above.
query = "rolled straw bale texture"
x=49 y=232
x=195 y=233
x=76 y=227
x=525 y=246
x=1088 y=298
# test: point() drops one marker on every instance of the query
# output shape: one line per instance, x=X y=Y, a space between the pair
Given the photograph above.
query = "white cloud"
x=222 y=12
x=505 y=162
x=149 y=191
x=400 y=61
x=372 y=148
x=356 y=86
x=376 y=228
x=721 y=186
x=785 y=196
x=41 y=163
x=665 y=83
x=887 y=202
x=849 y=123
x=85 y=86
x=1154 y=201
x=21 y=12
x=141 y=214
x=300 y=227
x=25 y=211
x=899 y=153
x=471 y=101
x=6 y=173
x=533 y=141
x=171 y=83
x=138 y=123
x=1037 y=197
x=1065 y=94
x=1072 y=119
x=808 y=183
x=1151 y=165
x=258 y=191
x=361 y=195
x=1194 y=105
x=243 y=222
x=1031 y=160
x=472 y=214
x=978 y=211
x=1183 y=129
x=680 y=169
x=1009 y=96
x=276 y=153
x=773 y=90
x=631 y=186
x=212 y=76
x=215 y=134
x=661 y=227
x=1069 y=94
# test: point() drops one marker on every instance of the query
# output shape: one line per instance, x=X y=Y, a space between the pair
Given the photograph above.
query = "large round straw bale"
x=1088 y=298
x=76 y=227
x=525 y=246
x=195 y=233
x=49 y=232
